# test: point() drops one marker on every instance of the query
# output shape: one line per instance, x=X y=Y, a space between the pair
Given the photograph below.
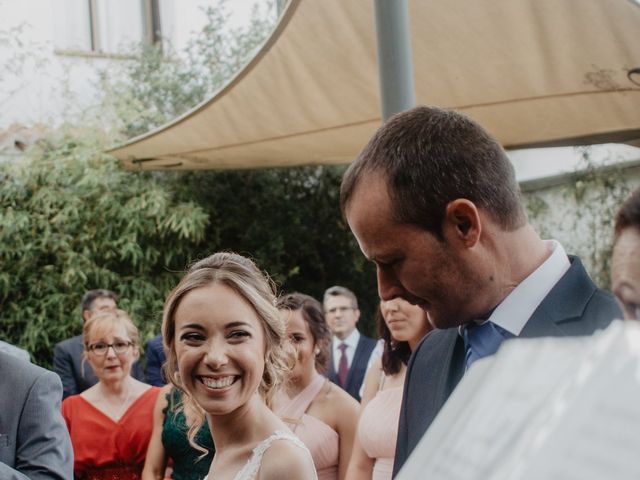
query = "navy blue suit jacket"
x=575 y=306
x=358 y=367
x=155 y=359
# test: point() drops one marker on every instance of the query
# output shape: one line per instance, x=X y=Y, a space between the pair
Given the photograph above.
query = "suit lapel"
x=434 y=371
x=564 y=303
x=453 y=366
x=332 y=375
x=355 y=364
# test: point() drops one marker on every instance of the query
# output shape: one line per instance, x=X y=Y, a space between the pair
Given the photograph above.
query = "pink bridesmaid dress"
x=322 y=441
x=378 y=430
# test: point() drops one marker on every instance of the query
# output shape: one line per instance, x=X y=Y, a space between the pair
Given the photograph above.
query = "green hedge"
x=71 y=220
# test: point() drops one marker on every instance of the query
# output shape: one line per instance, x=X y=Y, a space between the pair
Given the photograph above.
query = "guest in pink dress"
x=319 y=412
x=402 y=326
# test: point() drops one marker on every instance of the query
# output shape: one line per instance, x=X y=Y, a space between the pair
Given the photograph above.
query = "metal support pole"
x=395 y=63
x=280 y=5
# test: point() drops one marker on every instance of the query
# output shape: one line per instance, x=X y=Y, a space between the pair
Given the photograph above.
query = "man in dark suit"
x=432 y=199
x=75 y=373
x=154 y=352
x=350 y=350
x=34 y=441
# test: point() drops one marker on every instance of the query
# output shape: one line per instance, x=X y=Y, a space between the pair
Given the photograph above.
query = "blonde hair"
x=108 y=319
x=243 y=277
x=111 y=318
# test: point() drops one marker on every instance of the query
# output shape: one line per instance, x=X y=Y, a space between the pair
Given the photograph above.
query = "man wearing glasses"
x=350 y=350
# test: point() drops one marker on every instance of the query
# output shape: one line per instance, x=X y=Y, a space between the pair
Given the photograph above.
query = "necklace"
x=115 y=411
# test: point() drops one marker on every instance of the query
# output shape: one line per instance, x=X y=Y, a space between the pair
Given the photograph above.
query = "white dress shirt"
x=352 y=343
x=516 y=309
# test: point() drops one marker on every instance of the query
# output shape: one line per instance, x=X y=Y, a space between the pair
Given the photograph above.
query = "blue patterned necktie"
x=481 y=340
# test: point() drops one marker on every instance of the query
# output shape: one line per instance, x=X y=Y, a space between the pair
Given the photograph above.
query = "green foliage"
x=288 y=220
x=157 y=84
x=71 y=220
x=598 y=193
x=580 y=213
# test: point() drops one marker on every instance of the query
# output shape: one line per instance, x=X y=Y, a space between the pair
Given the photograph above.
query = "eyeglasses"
x=102 y=348
x=339 y=309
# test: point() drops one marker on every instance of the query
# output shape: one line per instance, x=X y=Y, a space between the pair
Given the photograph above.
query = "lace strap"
x=251 y=468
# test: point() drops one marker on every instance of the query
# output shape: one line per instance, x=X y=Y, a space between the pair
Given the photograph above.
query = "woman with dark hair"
x=319 y=412
x=625 y=262
x=401 y=326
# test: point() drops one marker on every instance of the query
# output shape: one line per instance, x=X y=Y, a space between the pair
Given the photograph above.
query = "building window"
x=108 y=27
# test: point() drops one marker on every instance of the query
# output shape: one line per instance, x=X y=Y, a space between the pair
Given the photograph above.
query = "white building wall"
x=578 y=209
x=48 y=73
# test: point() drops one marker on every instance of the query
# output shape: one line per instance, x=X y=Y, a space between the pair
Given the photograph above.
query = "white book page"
x=536 y=410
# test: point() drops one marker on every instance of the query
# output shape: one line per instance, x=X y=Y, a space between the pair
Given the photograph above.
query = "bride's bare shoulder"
x=285 y=459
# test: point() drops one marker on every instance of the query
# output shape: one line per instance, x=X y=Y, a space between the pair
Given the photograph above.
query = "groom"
x=433 y=201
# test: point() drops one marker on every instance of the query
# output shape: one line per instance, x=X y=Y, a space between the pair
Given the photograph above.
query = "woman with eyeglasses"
x=110 y=423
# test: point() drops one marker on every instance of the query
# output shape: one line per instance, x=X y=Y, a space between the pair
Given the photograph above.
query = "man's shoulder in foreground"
x=15 y=351
x=37 y=443
x=16 y=371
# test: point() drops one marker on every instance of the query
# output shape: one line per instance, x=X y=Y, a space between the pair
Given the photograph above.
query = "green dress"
x=187 y=464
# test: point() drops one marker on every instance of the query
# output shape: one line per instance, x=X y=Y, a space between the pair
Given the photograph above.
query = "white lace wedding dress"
x=252 y=467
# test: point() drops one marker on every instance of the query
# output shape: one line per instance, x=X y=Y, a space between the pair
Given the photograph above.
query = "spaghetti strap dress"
x=378 y=430
x=322 y=441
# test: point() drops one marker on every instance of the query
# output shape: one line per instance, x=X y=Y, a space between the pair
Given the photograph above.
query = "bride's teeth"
x=217 y=382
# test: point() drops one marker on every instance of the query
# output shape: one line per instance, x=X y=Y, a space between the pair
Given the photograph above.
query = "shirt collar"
x=515 y=310
x=351 y=341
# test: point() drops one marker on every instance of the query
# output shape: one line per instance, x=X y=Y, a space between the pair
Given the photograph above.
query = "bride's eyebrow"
x=192 y=326
x=238 y=324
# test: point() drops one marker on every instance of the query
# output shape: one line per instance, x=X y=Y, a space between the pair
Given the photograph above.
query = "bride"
x=225 y=337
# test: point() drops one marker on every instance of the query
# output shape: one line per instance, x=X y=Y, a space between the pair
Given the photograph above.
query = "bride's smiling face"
x=220 y=348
